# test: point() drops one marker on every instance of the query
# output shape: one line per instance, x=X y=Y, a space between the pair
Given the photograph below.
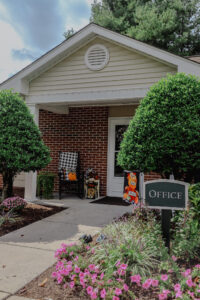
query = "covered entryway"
x=116 y=129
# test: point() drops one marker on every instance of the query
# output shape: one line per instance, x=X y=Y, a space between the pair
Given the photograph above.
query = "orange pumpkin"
x=72 y=176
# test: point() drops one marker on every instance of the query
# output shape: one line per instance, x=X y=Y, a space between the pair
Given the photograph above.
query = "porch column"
x=31 y=177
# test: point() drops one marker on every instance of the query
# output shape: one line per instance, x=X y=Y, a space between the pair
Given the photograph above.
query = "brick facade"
x=84 y=129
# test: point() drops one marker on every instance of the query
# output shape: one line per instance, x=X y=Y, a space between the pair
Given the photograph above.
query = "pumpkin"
x=72 y=176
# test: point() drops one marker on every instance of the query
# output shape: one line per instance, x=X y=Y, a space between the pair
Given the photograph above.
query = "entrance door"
x=115 y=181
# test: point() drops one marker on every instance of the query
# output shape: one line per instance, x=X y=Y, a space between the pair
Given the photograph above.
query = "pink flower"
x=97 y=270
x=117 y=263
x=102 y=276
x=190 y=283
x=54 y=274
x=87 y=247
x=179 y=294
x=121 y=272
x=191 y=294
x=81 y=275
x=91 y=267
x=125 y=287
x=123 y=266
x=76 y=258
x=89 y=290
x=146 y=285
x=93 y=295
x=162 y=296
x=166 y=292
x=118 y=291
x=77 y=269
x=109 y=281
x=115 y=298
x=197 y=266
x=177 y=287
x=186 y=273
x=154 y=282
x=71 y=253
x=174 y=258
x=136 y=279
x=94 y=276
x=71 y=284
x=164 y=277
x=103 y=293
x=92 y=250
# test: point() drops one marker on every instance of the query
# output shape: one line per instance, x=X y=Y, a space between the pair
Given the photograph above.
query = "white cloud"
x=9 y=40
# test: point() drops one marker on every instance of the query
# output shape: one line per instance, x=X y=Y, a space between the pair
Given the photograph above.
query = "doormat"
x=111 y=201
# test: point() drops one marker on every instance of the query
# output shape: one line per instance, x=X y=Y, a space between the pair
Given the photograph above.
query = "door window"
x=119 y=132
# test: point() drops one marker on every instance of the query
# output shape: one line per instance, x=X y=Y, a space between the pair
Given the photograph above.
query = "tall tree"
x=21 y=145
x=171 y=25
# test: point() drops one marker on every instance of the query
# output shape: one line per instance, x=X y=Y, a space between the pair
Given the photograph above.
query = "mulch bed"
x=45 y=287
x=111 y=201
x=31 y=213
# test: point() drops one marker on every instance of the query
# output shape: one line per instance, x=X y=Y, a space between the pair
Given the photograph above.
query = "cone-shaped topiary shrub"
x=21 y=145
x=164 y=134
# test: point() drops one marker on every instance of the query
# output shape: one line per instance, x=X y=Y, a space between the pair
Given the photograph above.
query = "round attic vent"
x=96 y=57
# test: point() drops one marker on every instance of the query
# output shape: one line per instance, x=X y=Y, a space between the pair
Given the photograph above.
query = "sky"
x=29 y=28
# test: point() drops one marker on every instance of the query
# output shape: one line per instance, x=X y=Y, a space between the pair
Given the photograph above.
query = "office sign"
x=166 y=194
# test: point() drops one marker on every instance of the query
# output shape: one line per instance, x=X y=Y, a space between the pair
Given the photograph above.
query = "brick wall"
x=151 y=176
x=84 y=129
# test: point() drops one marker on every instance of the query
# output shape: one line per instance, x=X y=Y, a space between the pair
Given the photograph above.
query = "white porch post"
x=31 y=177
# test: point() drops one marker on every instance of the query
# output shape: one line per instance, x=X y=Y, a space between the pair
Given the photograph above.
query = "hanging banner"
x=166 y=194
x=132 y=186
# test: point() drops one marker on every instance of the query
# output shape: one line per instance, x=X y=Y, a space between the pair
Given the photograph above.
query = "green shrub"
x=45 y=184
x=164 y=134
x=185 y=235
x=194 y=198
x=21 y=146
x=134 y=242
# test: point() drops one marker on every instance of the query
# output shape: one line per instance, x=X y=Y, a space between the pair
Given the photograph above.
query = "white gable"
x=132 y=68
x=125 y=70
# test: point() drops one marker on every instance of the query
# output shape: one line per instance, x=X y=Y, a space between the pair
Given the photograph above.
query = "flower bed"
x=130 y=262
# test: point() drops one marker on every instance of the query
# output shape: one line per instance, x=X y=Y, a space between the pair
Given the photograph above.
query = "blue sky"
x=29 y=28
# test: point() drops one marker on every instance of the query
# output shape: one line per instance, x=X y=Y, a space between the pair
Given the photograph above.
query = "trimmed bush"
x=164 y=134
x=21 y=146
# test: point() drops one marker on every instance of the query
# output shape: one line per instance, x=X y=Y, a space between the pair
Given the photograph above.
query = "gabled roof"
x=19 y=81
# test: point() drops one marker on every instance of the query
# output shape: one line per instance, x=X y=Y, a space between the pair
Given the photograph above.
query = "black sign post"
x=167 y=195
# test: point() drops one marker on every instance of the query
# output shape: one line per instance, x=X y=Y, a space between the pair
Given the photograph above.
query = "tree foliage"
x=171 y=25
x=164 y=134
x=21 y=145
x=67 y=34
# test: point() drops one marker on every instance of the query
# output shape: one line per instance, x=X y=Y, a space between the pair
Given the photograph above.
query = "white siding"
x=126 y=69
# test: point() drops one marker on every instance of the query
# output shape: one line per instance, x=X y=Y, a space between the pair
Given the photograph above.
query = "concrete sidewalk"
x=27 y=252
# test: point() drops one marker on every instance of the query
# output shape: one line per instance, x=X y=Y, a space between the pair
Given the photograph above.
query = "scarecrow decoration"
x=91 y=183
x=131 y=187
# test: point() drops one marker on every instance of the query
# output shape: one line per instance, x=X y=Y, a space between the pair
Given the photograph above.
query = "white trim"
x=168 y=181
x=122 y=96
x=31 y=177
x=84 y=36
x=110 y=157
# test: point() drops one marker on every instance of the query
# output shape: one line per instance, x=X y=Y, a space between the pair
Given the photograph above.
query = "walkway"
x=27 y=252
